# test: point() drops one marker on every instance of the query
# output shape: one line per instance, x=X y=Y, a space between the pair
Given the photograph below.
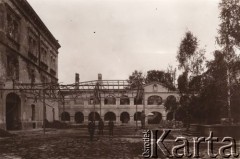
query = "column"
x=131 y=101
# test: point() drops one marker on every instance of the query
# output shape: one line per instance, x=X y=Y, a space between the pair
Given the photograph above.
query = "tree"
x=162 y=77
x=229 y=32
x=183 y=83
x=191 y=60
x=229 y=38
x=213 y=93
x=171 y=105
x=187 y=49
x=136 y=80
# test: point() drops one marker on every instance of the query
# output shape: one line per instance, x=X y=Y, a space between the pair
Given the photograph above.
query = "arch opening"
x=65 y=116
x=124 y=117
x=79 y=117
x=154 y=118
x=110 y=100
x=137 y=116
x=94 y=116
x=110 y=116
x=13 y=112
x=154 y=100
x=124 y=100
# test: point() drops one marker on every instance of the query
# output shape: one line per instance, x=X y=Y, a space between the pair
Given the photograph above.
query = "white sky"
x=116 y=37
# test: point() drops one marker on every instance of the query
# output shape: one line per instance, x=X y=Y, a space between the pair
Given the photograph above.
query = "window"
x=12 y=27
x=12 y=67
x=110 y=100
x=44 y=79
x=124 y=100
x=154 y=100
x=43 y=63
x=32 y=50
x=91 y=101
x=138 y=101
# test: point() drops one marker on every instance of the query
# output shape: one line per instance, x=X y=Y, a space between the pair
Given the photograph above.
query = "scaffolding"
x=83 y=90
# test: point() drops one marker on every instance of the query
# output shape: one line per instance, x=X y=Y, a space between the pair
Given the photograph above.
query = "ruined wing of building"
x=28 y=54
x=114 y=100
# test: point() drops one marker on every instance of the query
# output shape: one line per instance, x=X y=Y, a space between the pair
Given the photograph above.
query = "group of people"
x=92 y=127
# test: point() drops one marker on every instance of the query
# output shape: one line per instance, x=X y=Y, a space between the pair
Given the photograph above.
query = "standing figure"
x=143 y=119
x=100 y=127
x=91 y=129
x=110 y=125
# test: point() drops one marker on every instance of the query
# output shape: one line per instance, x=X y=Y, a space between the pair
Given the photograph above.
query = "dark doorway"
x=79 y=118
x=65 y=116
x=13 y=112
x=137 y=116
x=124 y=117
x=110 y=116
x=154 y=118
x=170 y=116
x=92 y=115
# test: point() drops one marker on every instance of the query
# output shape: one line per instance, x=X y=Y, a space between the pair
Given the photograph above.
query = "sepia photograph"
x=119 y=79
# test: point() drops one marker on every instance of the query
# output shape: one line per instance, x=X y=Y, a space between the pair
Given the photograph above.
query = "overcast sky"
x=116 y=37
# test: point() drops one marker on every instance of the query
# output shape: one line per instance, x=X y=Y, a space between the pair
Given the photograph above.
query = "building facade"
x=116 y=102
x=28 y=54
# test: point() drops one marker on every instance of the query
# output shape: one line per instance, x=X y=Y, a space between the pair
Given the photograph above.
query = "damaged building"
x=115 y=102
x=28 y=54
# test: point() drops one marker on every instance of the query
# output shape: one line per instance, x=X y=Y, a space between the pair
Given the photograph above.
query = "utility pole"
x=44 y=112
x=136 y=117
x=229 y=95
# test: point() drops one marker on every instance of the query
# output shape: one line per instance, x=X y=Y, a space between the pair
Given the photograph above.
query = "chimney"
x=77 y=81
x=99 y=76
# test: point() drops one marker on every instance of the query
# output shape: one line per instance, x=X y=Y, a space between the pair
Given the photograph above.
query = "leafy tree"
x=213 y=92
x=183 y=83
x=136 y=81
x=187 y=49
x=197 y=62
x=229 y=32
x=162 y=77
x=195 y=84
x=235 y=102
x=171 y=105
x=229 y=38
x=191 y=60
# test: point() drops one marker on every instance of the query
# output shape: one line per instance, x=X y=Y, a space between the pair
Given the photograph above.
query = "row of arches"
x=124 y=100
x=153 y=118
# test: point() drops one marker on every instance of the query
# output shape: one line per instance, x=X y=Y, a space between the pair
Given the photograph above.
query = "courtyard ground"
x=74 y=143
x=67 y=144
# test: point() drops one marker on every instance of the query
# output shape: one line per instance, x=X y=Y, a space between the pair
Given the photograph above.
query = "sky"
x=116 y=37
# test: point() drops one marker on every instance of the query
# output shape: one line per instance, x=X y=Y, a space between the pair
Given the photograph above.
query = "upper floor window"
x=91 y=101
x=154 y=100
x=12 y=67
x=124 y=100
x=138 y=101
x=53 y=62
x=43 y=54
x=12 y=27
x=32 y=45
x=44 y=78
x=110 y=100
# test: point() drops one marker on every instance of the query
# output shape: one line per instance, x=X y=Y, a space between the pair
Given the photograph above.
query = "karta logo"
x=152 y=143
